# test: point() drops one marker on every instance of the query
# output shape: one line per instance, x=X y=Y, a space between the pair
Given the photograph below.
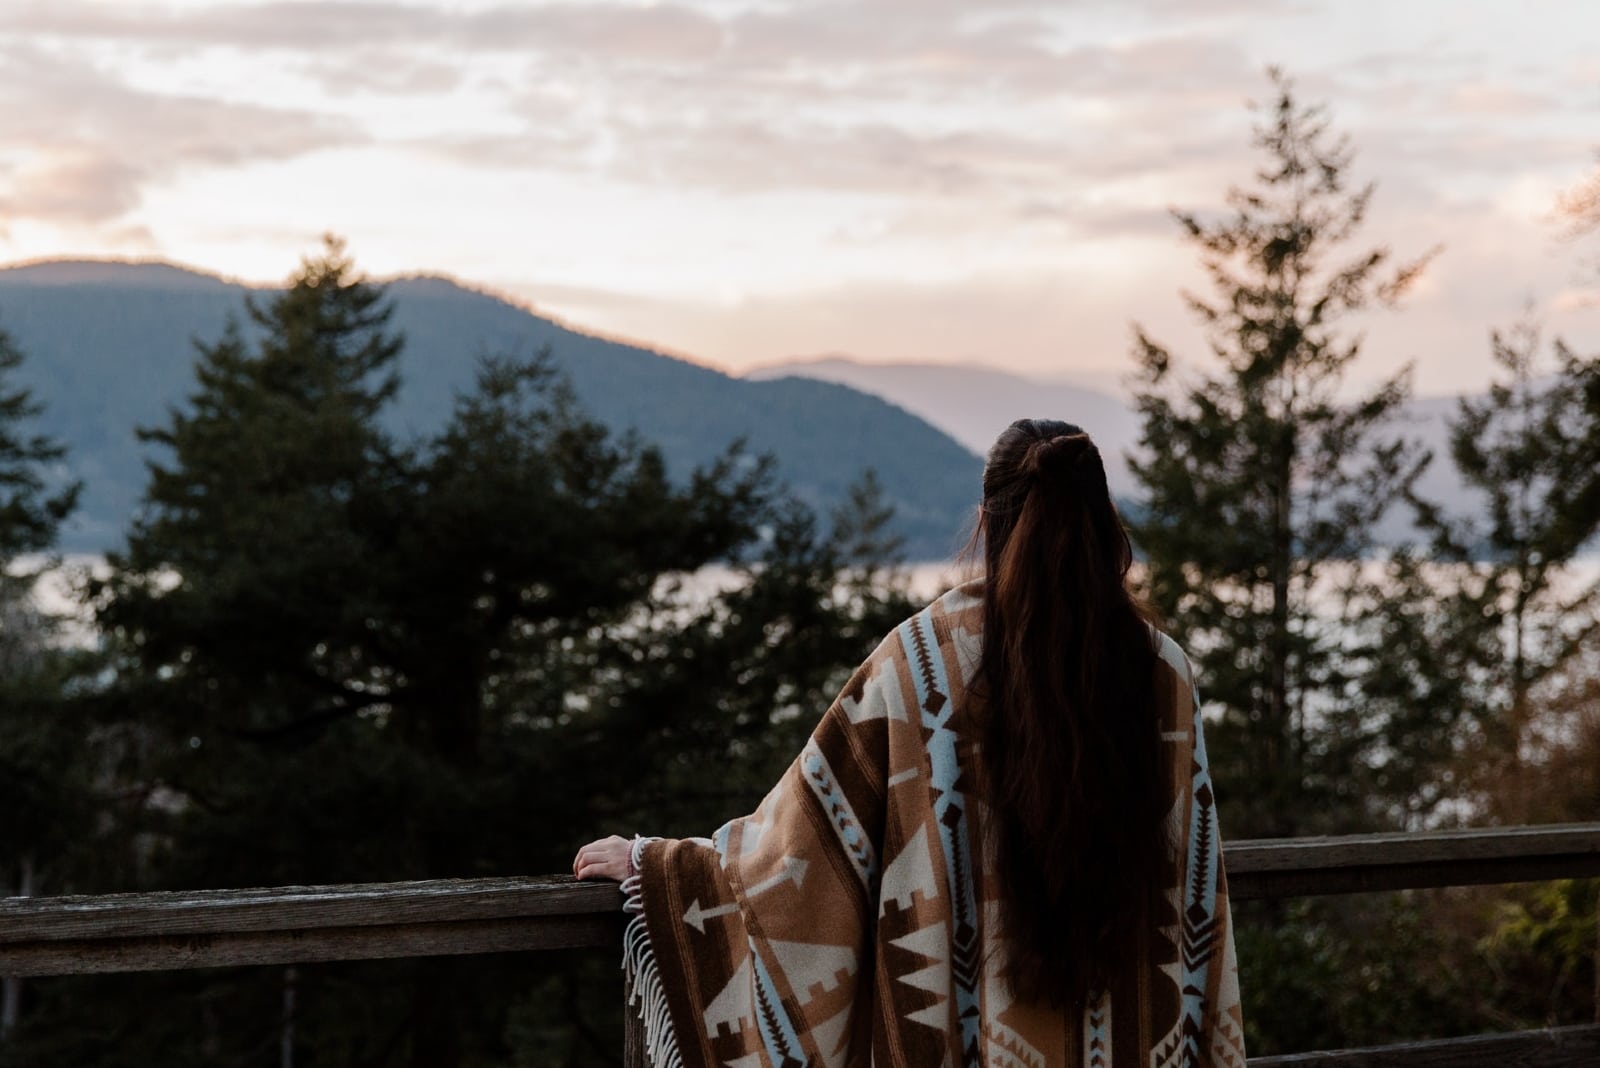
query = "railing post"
x=633 y=1055
x=11 y=985
x=286 y=1034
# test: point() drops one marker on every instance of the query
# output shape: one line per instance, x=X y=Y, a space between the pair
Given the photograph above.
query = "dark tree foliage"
x=1418 y=656
x=33 y=503
x=47 y=770
x=1512 y=632
x=1265 y=481
x=43 y=775
x=1262 y=481
x=41 y=780
x=362 y=659
x=1531 y=449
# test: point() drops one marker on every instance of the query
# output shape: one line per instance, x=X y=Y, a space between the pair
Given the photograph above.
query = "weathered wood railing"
x=288 y=925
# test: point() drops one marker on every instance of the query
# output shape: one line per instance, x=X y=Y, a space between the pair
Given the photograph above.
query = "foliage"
x=1356 y=692
x=49 y=778
x=1375 y=969
x=1344 y=973
x=47 y=761
x=1531 y=448
x=1263 y=483
x=365 y=659
x=1542 y=954
x=1539 y=941
x=1579 y=207
x=33 y=504
x=45 y=776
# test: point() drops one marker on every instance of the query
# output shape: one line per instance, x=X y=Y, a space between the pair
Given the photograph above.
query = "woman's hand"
x=605 y=859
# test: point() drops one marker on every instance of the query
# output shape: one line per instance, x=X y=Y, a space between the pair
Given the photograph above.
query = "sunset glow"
x=744 y=181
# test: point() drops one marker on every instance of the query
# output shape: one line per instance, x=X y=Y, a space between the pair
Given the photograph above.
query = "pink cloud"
x=87 y=144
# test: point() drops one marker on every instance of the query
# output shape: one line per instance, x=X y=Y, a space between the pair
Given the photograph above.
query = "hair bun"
x=1058 y=456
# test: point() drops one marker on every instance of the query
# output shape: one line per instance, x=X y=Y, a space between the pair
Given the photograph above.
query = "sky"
x=748 y=181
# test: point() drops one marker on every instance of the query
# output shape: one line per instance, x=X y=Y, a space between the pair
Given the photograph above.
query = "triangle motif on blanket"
x=809 y=965
x=735 y=1007
x=911 y=872
x=830 y=1037
x=932 y=943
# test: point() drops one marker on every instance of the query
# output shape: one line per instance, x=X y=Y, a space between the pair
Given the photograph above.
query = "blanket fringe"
x=646 y=994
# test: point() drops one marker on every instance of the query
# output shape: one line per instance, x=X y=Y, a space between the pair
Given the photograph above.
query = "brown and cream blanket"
x=851 y=920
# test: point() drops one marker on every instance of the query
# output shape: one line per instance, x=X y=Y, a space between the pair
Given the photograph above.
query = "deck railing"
x=293 y=925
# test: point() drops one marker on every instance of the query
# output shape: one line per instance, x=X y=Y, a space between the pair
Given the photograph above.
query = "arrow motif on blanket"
x=793 y=868
x=696 y=917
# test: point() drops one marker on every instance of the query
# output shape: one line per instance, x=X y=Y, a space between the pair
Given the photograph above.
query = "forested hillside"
x=110 y=348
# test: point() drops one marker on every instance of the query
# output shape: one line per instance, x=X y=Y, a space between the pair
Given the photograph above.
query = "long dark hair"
x=1072 y=739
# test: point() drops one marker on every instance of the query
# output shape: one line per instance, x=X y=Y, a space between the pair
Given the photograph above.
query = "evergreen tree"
x=45 y=769
x=31 y=513
x=251 y=517
x=1531 y=450
x=1492 y=644
x=1263 y=484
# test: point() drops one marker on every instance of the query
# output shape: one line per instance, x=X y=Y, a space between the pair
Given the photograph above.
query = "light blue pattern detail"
x=819 y=776
x=1097 y=1032
x=777 y=1030
x=936 y=706
x=1199 y=897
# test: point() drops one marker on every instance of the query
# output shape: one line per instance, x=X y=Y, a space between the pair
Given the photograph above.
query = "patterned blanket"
x=851 y=920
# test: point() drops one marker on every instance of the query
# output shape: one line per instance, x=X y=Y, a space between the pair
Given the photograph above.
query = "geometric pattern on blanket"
x=850 y=921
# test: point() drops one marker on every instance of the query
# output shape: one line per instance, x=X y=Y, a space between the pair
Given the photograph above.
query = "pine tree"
x=1531 y=449
x=251 y=515
x=40 y=768
x=34 y=500
x=1262 y=481
x=1489 y=655
x=45 y=769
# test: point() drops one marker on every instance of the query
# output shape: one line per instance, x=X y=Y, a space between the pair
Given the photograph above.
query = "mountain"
x=973 y=404
x=109 y=347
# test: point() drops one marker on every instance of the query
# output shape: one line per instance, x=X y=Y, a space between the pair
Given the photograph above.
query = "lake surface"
x=926 y=581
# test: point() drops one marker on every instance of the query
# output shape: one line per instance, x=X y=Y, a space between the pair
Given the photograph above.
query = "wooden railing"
x=290 y=925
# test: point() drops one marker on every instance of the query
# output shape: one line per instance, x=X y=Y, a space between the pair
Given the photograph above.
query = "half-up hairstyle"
x=1072 y=738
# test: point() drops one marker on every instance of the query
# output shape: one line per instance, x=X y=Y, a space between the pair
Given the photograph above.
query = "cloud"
x=929 y=107
x=935 y=131
x=1488 y=98
x=84 y=145
x=903 y=98
x=662 y=33
x=384 y=70
x=73 y=183
x=998 y=46
x=1091 y=180
x=297 y=26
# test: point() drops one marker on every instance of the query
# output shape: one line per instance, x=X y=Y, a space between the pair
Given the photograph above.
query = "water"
x=54 y=593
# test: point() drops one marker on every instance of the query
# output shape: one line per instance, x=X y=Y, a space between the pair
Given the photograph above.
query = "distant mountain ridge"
x=155 y=274
x=973 y=404
x=109 y=347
